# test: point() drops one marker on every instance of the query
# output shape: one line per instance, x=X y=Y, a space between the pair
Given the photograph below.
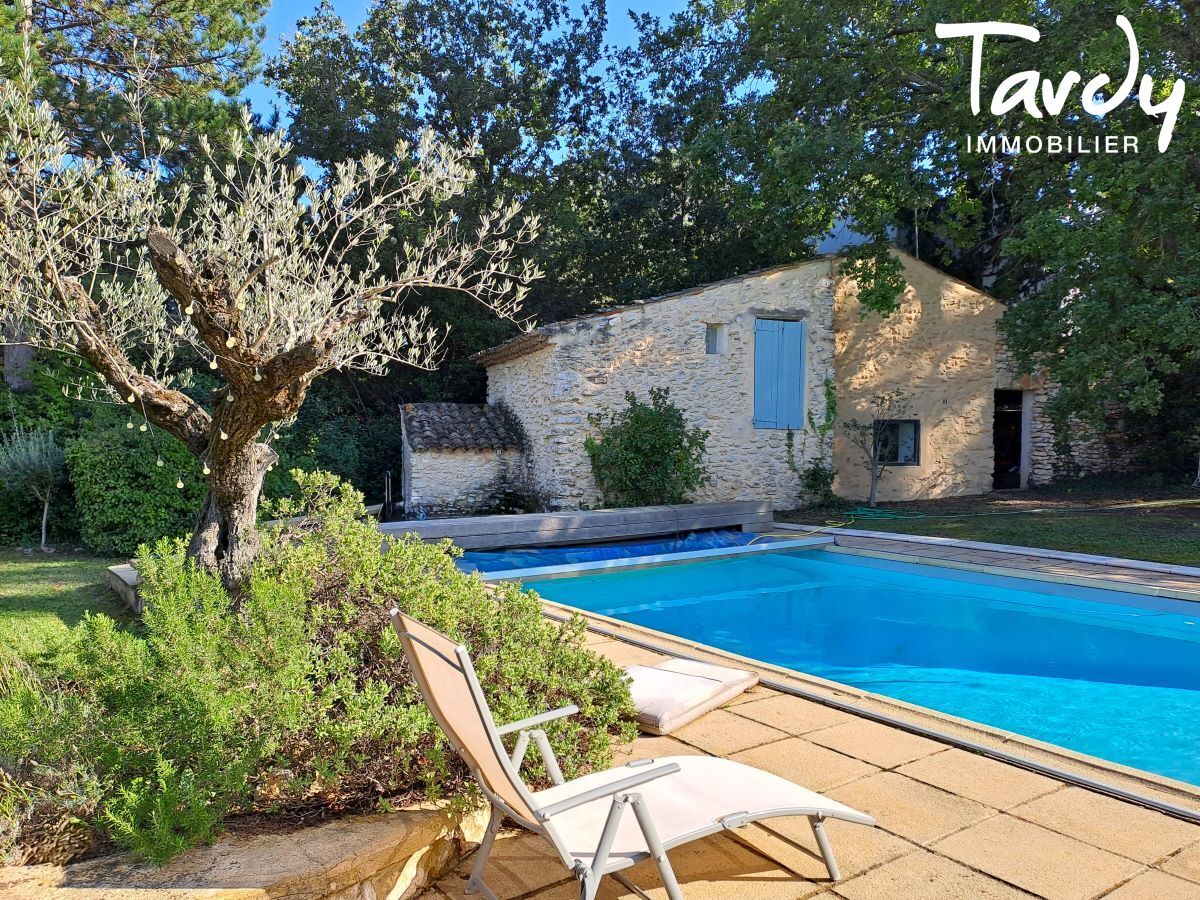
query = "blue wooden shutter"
x=778 y=374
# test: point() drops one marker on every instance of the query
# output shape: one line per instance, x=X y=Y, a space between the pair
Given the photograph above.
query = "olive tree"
x=253 y=271
x=873 y=438
x=32 y=463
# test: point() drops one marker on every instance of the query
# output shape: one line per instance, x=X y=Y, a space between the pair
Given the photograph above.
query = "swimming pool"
x=1111 y=674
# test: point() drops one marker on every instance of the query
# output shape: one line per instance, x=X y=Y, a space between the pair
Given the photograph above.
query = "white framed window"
x=899 y=441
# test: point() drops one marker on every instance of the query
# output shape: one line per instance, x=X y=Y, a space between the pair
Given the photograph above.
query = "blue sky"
x=282 y=16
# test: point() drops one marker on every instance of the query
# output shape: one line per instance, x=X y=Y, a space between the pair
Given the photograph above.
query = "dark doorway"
x=1006 y=438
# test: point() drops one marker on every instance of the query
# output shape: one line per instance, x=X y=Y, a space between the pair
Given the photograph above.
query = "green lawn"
x=42 y=595
x=1151 y=523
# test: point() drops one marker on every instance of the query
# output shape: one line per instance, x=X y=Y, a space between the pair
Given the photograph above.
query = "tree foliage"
x=564 y=122
x=859 y=110
x=32 y=463
x=255 y=271
x=192 y=56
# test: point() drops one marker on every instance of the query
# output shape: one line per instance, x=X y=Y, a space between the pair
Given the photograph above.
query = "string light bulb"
x=207 y=470
x=130 y=398
x=229 y=398
x=129 y=424
x=179 y=329
x=257 y=375
x=231 y=342
x=187 y=310
x=142 y=428
x=159 y=462
x=179 y=483
x=212 y=364
x=224 y=436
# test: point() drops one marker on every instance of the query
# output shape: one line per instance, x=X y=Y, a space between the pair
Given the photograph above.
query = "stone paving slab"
x=953 y=825
x=1112 y=571
x=978 y=778
x=1043 y=862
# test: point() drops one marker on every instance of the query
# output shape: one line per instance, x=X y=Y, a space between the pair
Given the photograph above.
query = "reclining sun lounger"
x=606 y=821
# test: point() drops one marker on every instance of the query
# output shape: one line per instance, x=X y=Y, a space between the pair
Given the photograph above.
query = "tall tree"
x=248 y=270
x=860 y=109
x=87 y=53
x=522 y=78
x=202 y=53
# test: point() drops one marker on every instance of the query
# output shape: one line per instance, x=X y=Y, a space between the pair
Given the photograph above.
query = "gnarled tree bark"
x=226 y=538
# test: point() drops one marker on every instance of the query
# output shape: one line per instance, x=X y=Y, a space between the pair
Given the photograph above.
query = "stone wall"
x=395 y=855
x=531 y=389
x=1089 y=454
x=589 y=364
x=459 y=482
x=939 y=348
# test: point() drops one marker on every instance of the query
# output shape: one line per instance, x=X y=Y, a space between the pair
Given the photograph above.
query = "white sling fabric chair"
x=606 y=821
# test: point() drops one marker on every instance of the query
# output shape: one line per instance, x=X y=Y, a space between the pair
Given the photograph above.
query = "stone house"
x=748 y=359
x=459 y=457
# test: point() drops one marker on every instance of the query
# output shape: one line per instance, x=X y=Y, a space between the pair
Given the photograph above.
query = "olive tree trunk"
x=226 y=538
x=45 y=524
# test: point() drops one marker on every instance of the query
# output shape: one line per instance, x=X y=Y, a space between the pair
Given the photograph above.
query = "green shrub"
x=332 y=435
x=818 y=475
x=298 y=702
x=123 y=496
x=32 y=464
x=645 y=454
x=21 y=517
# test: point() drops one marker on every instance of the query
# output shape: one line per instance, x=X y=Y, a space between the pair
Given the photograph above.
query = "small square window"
x=899 y=441
x=714 y=339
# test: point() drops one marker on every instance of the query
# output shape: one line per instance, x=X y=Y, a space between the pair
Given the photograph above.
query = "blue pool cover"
x=504 y=560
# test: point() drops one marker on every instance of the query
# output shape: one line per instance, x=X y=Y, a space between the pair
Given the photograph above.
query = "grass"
x=1152 y=521
x=43 y=595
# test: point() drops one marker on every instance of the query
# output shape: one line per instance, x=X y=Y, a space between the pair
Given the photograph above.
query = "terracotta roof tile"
x=460 y=426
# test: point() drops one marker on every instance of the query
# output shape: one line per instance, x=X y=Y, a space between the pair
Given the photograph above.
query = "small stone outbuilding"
x=459 y=457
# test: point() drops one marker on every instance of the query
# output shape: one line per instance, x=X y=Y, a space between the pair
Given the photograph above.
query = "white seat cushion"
x=685 y=805
x=673 y=693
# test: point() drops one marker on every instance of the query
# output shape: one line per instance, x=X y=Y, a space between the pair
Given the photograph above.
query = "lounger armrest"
x=540 y=719
x=605 y=790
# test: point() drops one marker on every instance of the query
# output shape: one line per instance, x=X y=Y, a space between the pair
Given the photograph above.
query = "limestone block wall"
x=589 y=365
x=526 y=385
x=939 y=348
x=458 y=482
x=1089 y=453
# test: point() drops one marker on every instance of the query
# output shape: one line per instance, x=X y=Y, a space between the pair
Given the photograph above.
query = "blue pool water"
x=1110 y=674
